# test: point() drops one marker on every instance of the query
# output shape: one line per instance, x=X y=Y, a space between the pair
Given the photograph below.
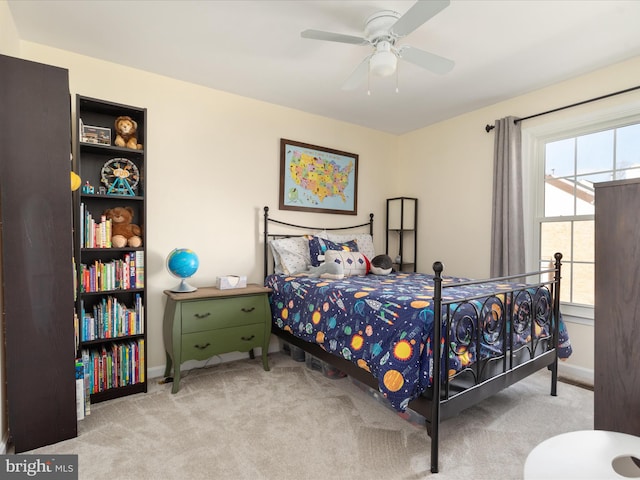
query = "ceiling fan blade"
x=421 y=11
x=429 y=61
x=358 y=76
x=334 y=37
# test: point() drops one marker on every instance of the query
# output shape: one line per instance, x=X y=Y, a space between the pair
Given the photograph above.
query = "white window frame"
x=534 y=137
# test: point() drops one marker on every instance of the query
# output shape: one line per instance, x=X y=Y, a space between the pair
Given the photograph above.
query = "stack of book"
x=119 y=274
x=92 y=233
x=112 y=366
x=110 y=318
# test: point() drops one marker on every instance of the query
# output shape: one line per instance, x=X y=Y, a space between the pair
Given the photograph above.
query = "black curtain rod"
x=488 y=127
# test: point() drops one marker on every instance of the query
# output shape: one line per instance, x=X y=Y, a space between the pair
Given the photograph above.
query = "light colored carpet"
x=236 y=421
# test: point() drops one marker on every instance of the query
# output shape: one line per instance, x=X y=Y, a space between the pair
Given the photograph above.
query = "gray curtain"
x=507 y=226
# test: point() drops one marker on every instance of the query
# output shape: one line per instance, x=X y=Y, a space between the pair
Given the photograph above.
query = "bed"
x=380 y=329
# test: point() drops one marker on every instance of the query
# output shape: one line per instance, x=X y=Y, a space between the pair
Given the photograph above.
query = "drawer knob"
x=248 y=339
x=247 y=310
x=202 y=315
x=202 y=347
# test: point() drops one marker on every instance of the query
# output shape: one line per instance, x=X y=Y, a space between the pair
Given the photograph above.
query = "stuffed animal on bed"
x=331 y=270
x=381 y=265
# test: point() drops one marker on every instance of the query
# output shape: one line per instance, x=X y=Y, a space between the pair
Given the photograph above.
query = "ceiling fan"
x=381 y=31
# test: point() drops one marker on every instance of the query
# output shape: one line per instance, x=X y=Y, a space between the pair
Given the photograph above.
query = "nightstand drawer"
x=222 y=313
x=202 y=345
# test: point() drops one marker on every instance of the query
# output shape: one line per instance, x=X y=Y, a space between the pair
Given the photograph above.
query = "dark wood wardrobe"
x=36 y=236
x=617 y=307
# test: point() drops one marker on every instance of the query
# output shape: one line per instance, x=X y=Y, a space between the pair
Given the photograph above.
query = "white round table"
x=586 y=454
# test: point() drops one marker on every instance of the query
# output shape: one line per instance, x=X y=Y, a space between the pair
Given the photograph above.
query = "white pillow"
x=291 y=255
x=364 y=241
x=353 y=263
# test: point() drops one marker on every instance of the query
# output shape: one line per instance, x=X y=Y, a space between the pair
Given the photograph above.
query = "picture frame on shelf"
x=96 y=135
x=317 y=179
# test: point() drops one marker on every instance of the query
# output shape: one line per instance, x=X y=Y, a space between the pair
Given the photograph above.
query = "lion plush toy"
x=123 y=232
x=126 y=129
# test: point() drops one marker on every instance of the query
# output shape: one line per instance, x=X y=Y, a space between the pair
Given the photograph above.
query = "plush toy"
x=381 y=265
x=126 y=136
x=123 y=232
x=75 y=181
x=331 y=270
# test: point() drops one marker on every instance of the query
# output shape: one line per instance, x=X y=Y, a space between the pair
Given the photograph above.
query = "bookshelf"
x=111 y=321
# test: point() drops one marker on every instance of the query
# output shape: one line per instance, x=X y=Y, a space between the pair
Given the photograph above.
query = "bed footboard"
x=528 y=321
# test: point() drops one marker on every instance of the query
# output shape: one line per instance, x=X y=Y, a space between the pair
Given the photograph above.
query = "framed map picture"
x=317 y=179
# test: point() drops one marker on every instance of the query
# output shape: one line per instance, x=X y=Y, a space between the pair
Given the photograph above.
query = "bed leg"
x=432 y=430
x=554 y=378
x=556 y=324
x=438 y=268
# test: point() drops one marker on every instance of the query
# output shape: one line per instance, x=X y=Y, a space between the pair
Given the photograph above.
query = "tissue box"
x=232 y=281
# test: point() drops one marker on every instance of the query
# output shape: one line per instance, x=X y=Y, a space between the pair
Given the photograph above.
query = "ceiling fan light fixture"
x=383 y=63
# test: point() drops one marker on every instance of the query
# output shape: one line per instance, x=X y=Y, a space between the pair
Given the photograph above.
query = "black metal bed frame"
x=488 y=376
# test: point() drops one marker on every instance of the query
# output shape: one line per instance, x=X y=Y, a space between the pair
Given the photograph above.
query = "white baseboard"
x=576 y=373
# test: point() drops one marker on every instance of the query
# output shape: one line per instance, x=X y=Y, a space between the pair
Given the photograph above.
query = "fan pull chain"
x=397 y=68
x=369 y=81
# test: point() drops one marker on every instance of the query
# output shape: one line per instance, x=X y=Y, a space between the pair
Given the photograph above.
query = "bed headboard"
x=294 y=230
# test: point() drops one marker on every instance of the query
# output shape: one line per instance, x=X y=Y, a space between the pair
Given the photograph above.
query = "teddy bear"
x=126 y=129
x=123 y=232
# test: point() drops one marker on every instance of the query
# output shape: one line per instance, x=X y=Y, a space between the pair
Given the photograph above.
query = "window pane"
x=589 y=180
x=559 y=197
x=628 y=147
x=632 y=173
x=583 y=241
x=571 y=168
x=583 y=283
x=555 y=237
x=547 y=265
x=585 y=195
x=595 y=152
x=565 y=282
x=559 y=158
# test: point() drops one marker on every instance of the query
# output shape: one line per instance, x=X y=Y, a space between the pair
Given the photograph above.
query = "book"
x=141 y=361
x=86 y=362
x=139 y=269
x=80 y=390
x=132 y=271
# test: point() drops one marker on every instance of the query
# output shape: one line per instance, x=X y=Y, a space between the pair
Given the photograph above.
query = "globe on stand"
x=183 y=263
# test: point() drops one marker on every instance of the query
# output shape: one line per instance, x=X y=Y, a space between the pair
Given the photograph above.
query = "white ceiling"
x=502 y=48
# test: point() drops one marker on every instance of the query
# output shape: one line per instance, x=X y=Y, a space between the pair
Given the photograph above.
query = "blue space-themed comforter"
x=383 y=324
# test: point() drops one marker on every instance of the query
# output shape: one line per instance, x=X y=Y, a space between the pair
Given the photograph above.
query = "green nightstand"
x=207 y=322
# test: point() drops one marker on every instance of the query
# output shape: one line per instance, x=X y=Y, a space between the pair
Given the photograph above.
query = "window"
x=566 y=163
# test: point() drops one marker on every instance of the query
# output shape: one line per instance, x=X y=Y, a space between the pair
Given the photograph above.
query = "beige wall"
x=213 y=164
x=9 y=40
x=460 y=152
